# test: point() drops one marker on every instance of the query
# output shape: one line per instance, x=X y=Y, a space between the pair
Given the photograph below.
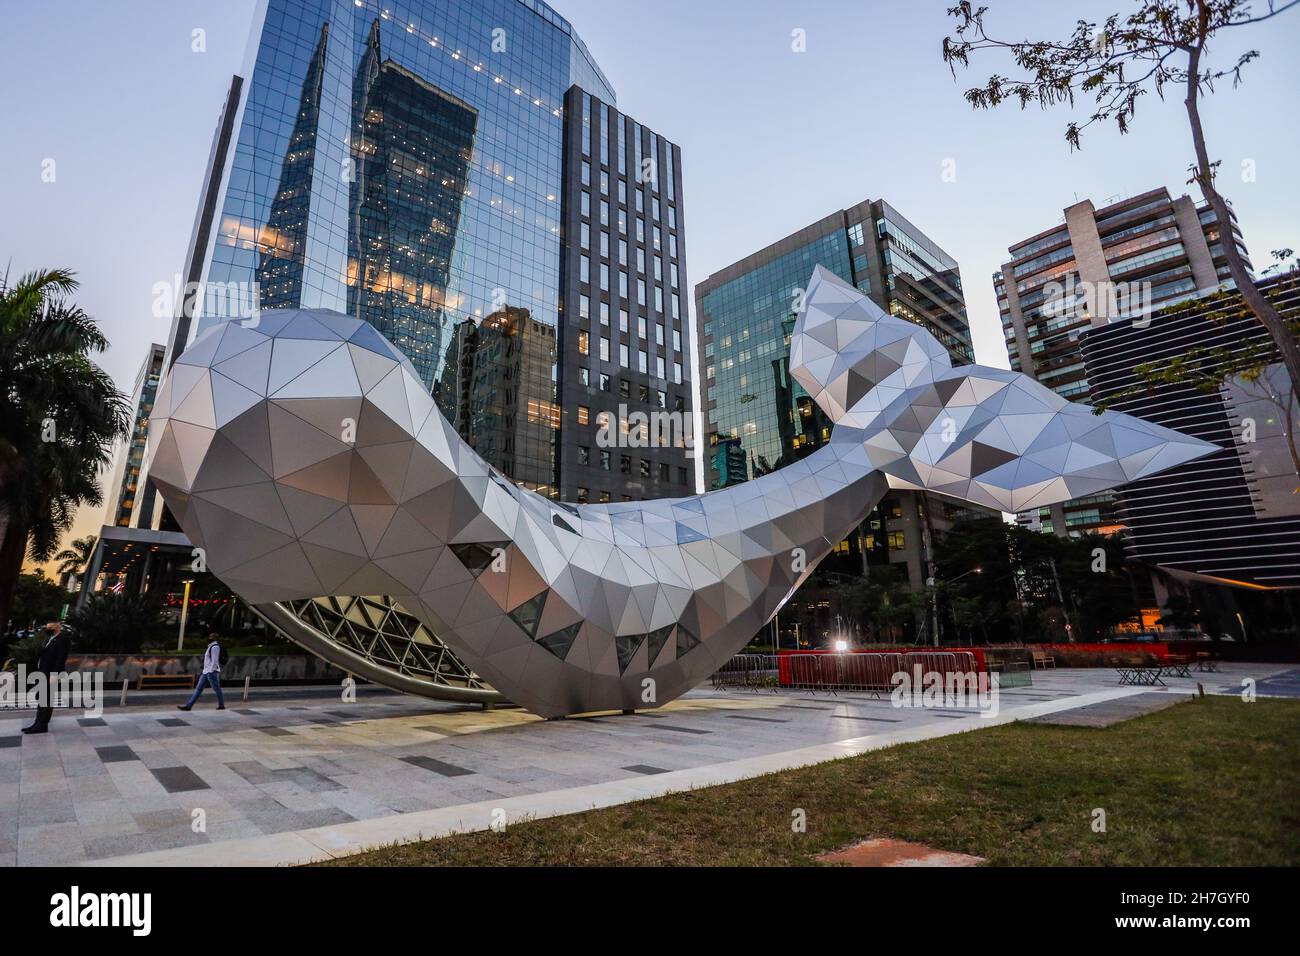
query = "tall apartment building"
x=1129 y=257
x=759 y=419
x=1232 y=518
x=420 y=165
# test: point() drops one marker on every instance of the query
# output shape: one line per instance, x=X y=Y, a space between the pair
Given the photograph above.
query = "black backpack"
x=223 y=655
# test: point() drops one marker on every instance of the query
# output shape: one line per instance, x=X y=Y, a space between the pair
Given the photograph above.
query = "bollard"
x=247 y=682
x=125 y=683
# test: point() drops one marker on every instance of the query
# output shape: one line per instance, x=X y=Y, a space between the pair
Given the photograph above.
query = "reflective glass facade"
x=758 y=419
x=761 y=415
x=402 y=162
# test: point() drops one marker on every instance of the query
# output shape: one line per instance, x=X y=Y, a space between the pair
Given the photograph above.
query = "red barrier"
x=1159 y=649
x=963 y=659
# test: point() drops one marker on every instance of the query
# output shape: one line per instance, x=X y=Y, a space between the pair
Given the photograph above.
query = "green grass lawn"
x=1212 y=781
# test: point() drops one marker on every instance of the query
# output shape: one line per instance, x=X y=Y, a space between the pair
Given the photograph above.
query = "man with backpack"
x=213 y=658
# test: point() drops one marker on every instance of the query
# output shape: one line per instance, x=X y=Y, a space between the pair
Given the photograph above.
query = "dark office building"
x=624 y=372
x=130 y=498
x=1231 y=519
x=1132 y=256
x=758 y=419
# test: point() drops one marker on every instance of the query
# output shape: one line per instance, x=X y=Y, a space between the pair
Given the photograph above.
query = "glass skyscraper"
x=403 y=163
x=758 y=418
x=430 y=166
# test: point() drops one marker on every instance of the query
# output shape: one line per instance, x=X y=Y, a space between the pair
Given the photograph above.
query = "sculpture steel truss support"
x=306 y=458
x=377 y=639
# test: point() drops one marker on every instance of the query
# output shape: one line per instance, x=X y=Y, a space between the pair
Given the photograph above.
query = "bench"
x=1178 y=666
x=1041 y=659
x=165 y=680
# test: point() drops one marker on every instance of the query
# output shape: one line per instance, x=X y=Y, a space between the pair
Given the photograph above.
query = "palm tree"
x=74 y=558
x=60 y=415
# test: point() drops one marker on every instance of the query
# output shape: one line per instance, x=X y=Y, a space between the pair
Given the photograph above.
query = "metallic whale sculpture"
x=306 y=458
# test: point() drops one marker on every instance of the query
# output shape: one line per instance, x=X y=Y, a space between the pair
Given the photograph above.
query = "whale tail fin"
x=989 y=436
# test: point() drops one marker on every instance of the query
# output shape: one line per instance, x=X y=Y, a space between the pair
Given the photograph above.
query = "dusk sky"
x=772 y=140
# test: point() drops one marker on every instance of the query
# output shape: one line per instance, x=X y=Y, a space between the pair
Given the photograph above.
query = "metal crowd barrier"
x=748 y=672
x=870 y=673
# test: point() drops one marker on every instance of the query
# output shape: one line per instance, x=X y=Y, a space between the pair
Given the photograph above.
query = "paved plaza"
x=292 y=776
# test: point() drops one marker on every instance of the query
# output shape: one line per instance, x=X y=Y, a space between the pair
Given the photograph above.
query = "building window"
x=645 y=468
x=625 y=464
x=624 y=388
x=584 y=455
x=584 y=374
x=604 y=382
x=664 y=471
x=582 y=496
x=604 y=463
x=897 y=541
x=584 y=415
x=584 y=344
x=584 y=307
x=622 y=354
x=643 y=361
x=604 y=313
x=604 y=349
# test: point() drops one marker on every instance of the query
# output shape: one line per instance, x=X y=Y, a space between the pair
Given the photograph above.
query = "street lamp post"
x=185 y=610
x=934 y=597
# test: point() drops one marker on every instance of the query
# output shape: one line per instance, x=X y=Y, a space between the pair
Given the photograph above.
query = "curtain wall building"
x=443 y=170
x=758 y=418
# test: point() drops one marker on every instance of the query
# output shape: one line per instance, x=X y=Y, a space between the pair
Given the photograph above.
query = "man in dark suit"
x=52 y=659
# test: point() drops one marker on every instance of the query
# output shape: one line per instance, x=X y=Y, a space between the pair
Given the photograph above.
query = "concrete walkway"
x=287 y=782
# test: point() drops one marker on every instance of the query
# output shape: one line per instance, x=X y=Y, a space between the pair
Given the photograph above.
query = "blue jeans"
x=213 y=678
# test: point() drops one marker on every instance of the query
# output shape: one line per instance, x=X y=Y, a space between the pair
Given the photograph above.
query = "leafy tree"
x=1014 y=594
x=25 y=651
x=60 y=415
x=116 y=623
x=1115 y=63
x=37 y=599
